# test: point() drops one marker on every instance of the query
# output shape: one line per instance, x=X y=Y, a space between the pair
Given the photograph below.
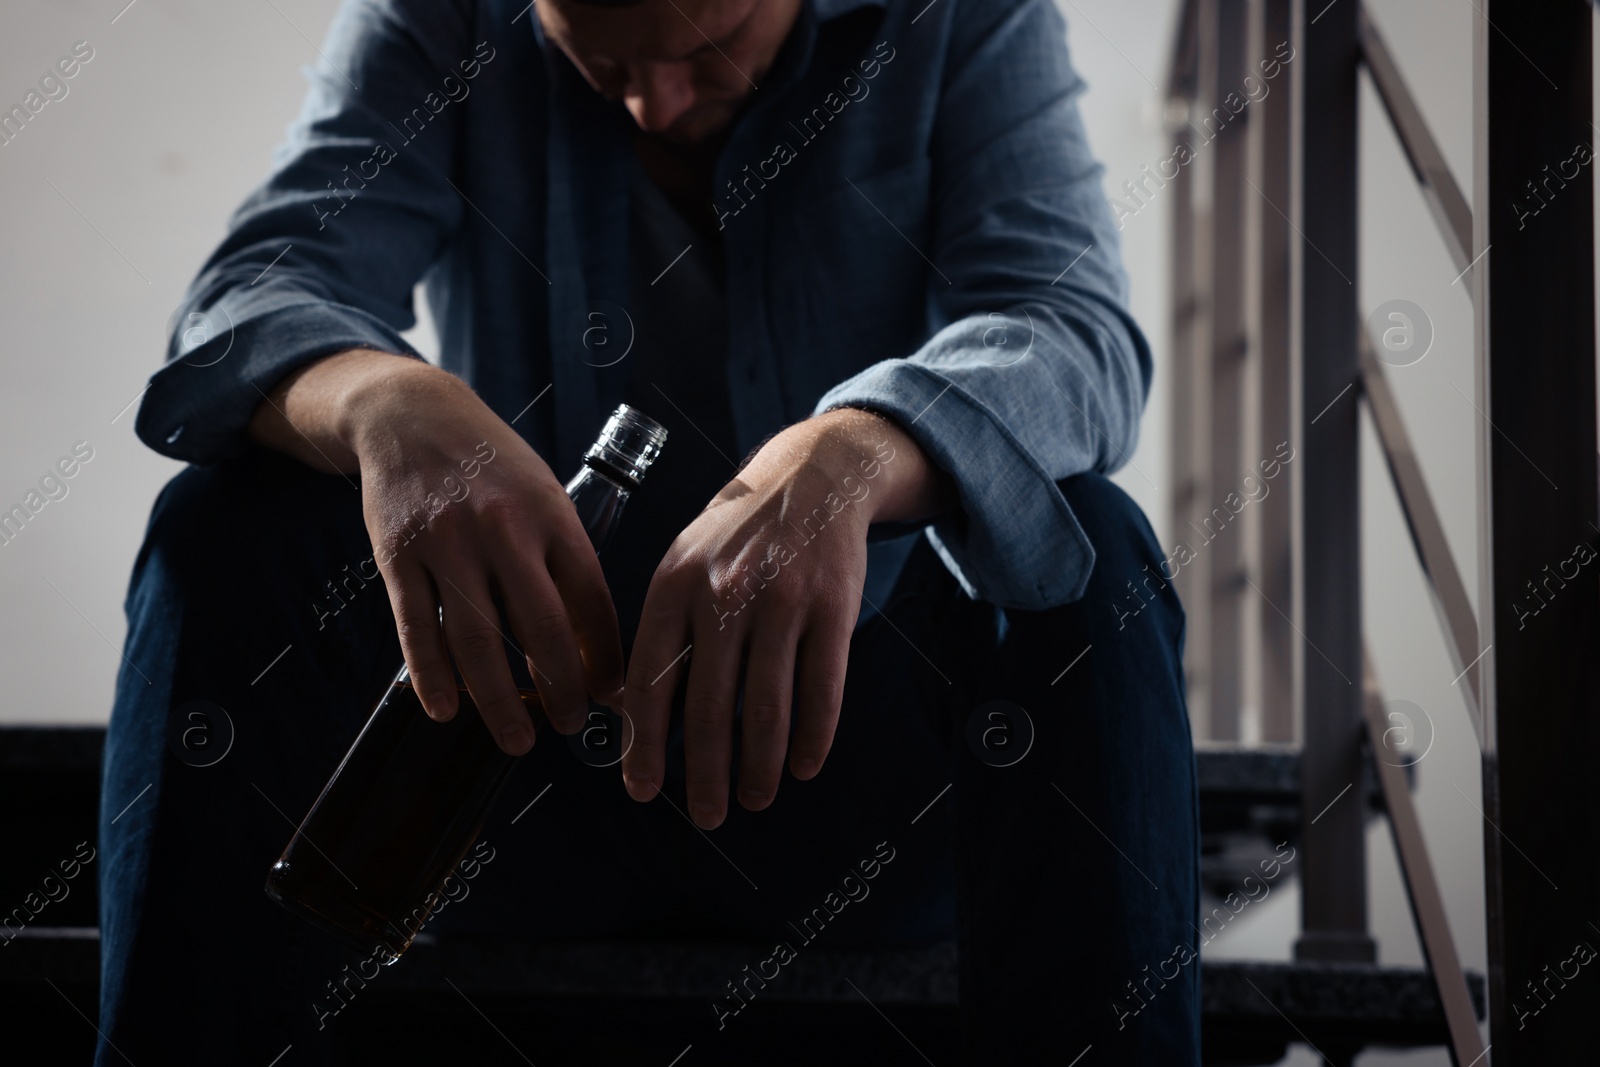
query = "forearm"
x=315 y=413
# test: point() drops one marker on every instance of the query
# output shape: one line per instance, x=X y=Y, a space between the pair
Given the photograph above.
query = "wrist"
x=879 y=464
x=377 y=393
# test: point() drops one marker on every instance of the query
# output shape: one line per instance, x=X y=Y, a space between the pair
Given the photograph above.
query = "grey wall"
x=113 y=195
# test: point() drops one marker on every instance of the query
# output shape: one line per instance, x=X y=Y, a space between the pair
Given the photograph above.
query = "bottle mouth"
x=629 y=444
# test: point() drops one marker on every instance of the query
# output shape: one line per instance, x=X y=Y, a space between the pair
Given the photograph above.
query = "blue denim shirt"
x=911 y=218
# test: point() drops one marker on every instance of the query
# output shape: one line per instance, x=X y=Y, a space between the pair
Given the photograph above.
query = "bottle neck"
x=598 y=497
x=612 y=468
x=610 y=472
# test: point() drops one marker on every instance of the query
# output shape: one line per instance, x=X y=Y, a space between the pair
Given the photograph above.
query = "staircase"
x=49 y=783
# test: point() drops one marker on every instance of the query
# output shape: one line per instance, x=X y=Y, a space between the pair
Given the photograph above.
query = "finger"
x=764 y=718
x=824 y=656
x=540 y=622
x=475 y=637
x=708 y=724
x=660 y=656
x=416 y=618
x=576 y=572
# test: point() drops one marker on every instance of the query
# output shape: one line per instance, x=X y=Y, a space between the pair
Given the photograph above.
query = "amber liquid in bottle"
x=369 y=861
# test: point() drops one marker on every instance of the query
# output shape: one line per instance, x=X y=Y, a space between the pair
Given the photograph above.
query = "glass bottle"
x=369 y=861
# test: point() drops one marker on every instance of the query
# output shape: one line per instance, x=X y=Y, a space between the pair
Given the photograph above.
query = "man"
x=830 y=236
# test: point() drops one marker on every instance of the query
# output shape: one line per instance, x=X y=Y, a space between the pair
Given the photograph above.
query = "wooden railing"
x=1268 y=345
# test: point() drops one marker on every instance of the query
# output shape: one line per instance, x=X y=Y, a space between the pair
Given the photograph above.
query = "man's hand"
x=461 y=511
x=767 y=581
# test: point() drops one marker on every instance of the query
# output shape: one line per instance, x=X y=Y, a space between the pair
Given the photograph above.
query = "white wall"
x=160 y=136
x=172 y=122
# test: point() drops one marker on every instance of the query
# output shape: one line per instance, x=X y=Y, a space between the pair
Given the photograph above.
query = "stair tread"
x=1307 y=991
x=1265 y=770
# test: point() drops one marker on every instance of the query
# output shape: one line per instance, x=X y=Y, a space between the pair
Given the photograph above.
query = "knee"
x=1123 y=541
x=1130 y=576
x=242 y=516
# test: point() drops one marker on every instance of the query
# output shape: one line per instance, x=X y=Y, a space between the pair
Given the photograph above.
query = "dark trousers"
x=1030 y=774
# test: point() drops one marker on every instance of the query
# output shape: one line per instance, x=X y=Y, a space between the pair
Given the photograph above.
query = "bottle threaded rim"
x=629 y=443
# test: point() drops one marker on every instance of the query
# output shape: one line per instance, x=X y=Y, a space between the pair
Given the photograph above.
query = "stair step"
x=1249 y=804
x=1250 y=801
x=1251 y=1010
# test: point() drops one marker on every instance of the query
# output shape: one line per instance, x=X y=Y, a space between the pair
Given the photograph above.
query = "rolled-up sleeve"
x=1039 y=372
x=326 y=254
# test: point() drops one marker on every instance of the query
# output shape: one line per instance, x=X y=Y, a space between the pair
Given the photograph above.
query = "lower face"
x=683 y=68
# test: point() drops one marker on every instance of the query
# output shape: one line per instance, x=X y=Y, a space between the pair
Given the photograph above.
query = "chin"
x=692 y=130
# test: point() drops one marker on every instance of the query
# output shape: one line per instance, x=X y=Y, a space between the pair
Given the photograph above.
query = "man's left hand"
x=766 y=583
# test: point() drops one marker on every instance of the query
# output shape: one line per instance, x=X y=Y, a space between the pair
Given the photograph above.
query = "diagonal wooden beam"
x=1422 y=886
x=1427 y=532
x=1439 y=186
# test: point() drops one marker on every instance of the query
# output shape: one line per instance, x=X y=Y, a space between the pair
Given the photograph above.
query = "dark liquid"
x=402 y=810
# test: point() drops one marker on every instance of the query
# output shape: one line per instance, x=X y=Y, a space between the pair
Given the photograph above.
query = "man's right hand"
x=412 y=432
